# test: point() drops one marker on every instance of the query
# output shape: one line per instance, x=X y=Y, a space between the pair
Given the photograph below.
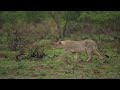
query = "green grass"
x=57 y=67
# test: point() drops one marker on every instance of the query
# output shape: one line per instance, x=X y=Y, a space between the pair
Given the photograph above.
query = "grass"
x=61 y=69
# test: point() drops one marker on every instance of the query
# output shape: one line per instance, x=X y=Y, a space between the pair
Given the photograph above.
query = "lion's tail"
x=100 y=52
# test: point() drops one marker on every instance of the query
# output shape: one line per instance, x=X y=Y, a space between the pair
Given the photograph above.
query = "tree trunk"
x=59 y=29
x=64 y=30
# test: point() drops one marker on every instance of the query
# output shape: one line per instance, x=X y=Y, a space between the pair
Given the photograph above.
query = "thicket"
x=20 y=27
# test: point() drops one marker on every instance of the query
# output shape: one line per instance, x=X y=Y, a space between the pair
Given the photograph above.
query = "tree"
x=66 y=17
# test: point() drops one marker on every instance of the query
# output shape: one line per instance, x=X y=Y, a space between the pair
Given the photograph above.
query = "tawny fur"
x=89 y=46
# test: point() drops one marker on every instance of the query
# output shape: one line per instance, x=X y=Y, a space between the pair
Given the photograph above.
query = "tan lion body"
x=89 y=46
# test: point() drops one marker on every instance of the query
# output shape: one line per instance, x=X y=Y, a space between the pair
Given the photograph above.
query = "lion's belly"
x=77 y=50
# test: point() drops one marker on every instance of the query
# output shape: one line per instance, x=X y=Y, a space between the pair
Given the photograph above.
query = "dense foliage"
x=19 y=26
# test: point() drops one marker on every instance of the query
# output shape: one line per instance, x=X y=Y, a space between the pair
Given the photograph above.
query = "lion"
x=76 y=47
